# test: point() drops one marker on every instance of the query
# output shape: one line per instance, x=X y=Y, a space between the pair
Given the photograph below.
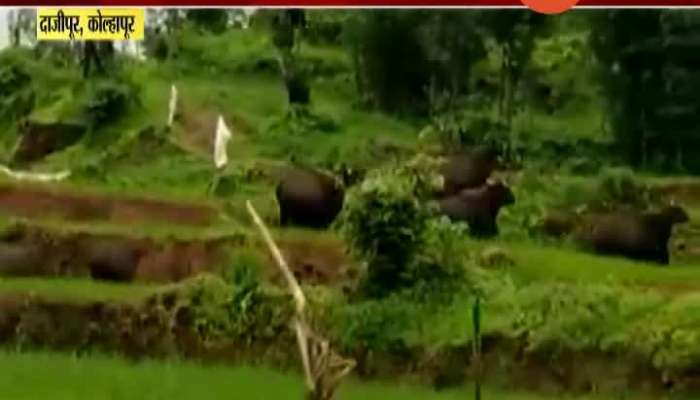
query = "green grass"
x=62 y=377
x=536 y=262
x=76 y=289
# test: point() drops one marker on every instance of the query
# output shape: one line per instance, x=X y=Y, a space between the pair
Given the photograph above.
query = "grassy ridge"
x=76 y=289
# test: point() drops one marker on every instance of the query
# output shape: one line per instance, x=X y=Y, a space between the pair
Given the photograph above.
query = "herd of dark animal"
x=313 y=199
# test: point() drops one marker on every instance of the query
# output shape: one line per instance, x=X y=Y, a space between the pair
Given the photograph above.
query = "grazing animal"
x=558 y=224
x=478 y=207
x=308 y=198
x=111 y=259
x=471 y=170
x=637 y=236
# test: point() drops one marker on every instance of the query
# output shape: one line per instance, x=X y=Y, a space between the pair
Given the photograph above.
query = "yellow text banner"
x=90 y=24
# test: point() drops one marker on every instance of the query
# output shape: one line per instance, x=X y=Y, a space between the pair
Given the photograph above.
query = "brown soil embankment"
x=33 y=250
x=36 y=251
x=44 y=202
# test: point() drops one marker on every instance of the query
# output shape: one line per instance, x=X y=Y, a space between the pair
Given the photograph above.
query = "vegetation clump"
x=388 y=223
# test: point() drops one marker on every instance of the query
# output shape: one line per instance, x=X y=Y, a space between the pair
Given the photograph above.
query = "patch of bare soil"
x=41 y=202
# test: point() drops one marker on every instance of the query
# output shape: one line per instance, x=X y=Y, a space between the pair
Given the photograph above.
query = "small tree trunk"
x=16 y=31
x=502 y=83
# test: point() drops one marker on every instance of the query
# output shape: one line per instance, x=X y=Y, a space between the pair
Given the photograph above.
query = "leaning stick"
x=323 y=368
x=298 y=294
x=277 y=254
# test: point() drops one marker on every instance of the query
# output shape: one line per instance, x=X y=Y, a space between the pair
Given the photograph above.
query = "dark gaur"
x=470 y=170
x=308 y=198
x=637 y=236
x=478 y=207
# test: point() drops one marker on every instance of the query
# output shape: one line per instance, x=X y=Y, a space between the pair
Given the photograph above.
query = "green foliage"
x=467 y=123
x=16 y=95
x=441 y=47
x=243 y=270
x=245 y=52
x=325 y=26
x=375 y=325
x=615 y=189
x=282 y=30
x=387 y=222
x=242 y=310
x=12 y=79
x=107 y=100
x=553 y=318
x=670 y=338
x=384 y=221
x=210 y=19
x=391 y=65
x=620 y=185
x=514 y=33
x=300 y=120
x=647 y=81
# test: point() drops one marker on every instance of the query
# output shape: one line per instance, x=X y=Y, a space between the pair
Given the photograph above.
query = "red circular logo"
x=550 y=6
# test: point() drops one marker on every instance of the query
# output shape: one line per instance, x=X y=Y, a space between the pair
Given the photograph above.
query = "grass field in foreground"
x=62 y=377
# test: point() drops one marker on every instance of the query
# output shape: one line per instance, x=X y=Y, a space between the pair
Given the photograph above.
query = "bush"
x=242 y=311
x=301 y=121
x=375 y=325
x=566 y=317
x=16 y=95
x=620 y=185
x=325 y=26
x=387 y=222
x=212 y=20
x=107 y=101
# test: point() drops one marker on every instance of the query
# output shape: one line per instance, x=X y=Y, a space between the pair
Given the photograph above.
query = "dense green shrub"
x=16 y=95
x=108 y=100
x=567 y=317
x=387 y=221
x=210 y=19
x=670 y=337
x=400 y=56
x=300 y=120
x=325 y=26
x=243 y=310
x=372 y=324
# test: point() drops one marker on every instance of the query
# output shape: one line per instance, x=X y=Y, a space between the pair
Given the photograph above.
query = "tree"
x=391 y=64
x=95 y=53
x=286 y=26
x=211 y=19
x=401 y=57
x=647 y=60
x=21 y=22
x=513 y=32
